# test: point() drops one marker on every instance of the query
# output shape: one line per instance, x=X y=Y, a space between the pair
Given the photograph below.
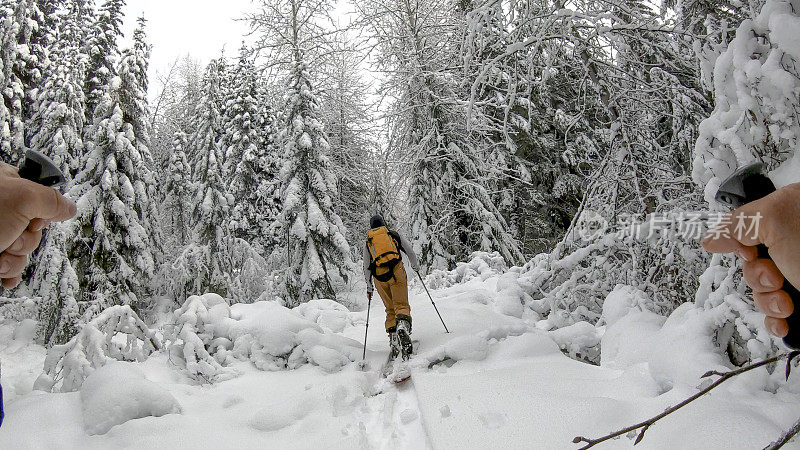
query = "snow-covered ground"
x=497 y=380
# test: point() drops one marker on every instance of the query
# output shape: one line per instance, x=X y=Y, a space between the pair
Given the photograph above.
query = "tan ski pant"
x=394 y=294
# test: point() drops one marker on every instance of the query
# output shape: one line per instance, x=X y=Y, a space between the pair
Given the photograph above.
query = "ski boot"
x=394 y=343
x=404 y=335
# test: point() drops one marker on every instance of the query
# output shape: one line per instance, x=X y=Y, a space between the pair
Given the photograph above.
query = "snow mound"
x=119 y=392
x=328 y=314
x=281 y=415
x=581 y=340
x=26 y=330
x=622 y=300
x=628 y=340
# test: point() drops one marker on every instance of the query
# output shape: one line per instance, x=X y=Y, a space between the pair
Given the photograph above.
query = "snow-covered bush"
x=18 y=308
x=209 y=336
x=198 y=341
x=274 y=337
x=116 y=334
x=481 y=264
x=571 y=286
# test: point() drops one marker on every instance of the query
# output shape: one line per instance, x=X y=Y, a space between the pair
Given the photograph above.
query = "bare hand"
x=779 y=230
x=25 y=209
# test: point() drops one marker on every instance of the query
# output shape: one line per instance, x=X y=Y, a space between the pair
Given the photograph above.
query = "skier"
x=384 y=263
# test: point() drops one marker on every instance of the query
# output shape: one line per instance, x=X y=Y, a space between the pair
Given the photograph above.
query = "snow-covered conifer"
x=317 y=244
x=113 y=254
x=249 y=162
x=178 y=190
x=103 y=52
x=57 y=127
x=203 y=261
x=56 y=282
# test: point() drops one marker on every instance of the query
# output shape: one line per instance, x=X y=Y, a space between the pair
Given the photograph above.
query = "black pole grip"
x=40 y=169
x=758 y=186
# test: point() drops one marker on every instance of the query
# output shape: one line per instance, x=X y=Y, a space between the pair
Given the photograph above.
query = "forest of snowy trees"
x=484 y=125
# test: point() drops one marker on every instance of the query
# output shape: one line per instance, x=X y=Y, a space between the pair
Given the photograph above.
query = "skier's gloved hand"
x=25 y=209
x=779 y=229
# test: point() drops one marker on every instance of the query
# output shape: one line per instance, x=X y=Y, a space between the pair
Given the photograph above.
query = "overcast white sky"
x=176 y=28
x=200 y=28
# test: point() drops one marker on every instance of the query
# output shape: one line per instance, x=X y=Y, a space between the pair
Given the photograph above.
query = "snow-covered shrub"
x=198 y=341
x=17 y=309
x=274 y=337
x=119 y=392
x=757 y=107
x=481 y=265
x=116 y=334
x=209 y=336
x=621 y=301
x=571 y=286
x=581 y=340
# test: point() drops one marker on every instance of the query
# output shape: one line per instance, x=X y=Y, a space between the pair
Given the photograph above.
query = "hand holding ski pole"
x=27 y=206
x=779 y=231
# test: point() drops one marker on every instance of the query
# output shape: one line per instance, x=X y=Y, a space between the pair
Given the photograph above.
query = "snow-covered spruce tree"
x=133 y=92
x=55 y=281
x=103 y=52
x=37 y=21
x=452 y=213
x=317 y=247
x=178 y=191
x=135 y=110
x=112 y=254
x=317 y=244
x=249 y=163
x=57 y=127
x=201 y=266
x=7 y=54
x=13 y=24
x=268 y=128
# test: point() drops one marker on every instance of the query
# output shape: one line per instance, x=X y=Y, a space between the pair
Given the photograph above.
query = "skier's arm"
x=366 y=260
x=409 y=251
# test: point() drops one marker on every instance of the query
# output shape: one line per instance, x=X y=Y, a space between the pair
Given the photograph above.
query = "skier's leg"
x=399 y=292
x=402 y=310
x=386 y=296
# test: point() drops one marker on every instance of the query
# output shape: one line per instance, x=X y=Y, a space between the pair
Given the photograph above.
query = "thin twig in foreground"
x=785 y=438
x=724 y=376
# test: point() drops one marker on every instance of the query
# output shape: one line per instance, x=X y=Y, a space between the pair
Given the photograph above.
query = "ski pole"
x=432 y=302
x=366 y=329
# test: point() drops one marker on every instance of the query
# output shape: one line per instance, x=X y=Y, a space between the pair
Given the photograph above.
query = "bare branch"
x=645 y=425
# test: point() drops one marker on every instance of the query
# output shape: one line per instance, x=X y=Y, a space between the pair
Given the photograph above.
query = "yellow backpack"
x=382 y=248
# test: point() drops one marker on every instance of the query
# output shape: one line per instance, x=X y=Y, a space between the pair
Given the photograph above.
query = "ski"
x=397 y=369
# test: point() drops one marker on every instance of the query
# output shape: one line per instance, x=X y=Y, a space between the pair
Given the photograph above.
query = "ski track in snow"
x=393 y=420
